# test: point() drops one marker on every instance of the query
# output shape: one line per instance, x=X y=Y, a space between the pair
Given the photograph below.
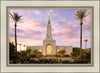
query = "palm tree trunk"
x=80 y=39
x=85 y=45
x=16 y=41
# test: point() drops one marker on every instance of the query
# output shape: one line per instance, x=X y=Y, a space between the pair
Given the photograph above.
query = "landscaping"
x=25 y=57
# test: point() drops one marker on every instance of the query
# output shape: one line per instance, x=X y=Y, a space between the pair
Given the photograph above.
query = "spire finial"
x=49 y=19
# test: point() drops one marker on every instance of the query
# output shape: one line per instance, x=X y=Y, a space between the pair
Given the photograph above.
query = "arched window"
x=49 y=50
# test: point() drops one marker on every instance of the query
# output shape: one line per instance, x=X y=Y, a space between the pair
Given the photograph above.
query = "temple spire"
x=49 y=35
x=48 y=19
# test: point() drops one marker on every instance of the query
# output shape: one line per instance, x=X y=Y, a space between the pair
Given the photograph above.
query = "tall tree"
x=80 y=15
x=12 y=51
x=24 y=47
x=85 y=43
x=16 y=18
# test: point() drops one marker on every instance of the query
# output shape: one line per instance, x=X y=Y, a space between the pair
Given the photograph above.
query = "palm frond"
x=16 y=17
x=11 y=15
x=81 y=14
x=77 y=18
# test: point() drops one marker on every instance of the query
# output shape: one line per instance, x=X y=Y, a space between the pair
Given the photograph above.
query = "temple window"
x=58 y=50
x=39 y=50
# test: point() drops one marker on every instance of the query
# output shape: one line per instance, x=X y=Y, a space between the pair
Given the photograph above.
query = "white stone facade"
x=49 y=45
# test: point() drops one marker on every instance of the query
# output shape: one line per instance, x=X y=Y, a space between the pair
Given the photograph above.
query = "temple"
x=49 y=44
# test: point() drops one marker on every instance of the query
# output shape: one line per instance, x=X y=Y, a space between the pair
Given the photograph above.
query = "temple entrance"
x=49 y=50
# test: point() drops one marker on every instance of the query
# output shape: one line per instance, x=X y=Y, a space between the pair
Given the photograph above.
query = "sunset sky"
x=65 y=27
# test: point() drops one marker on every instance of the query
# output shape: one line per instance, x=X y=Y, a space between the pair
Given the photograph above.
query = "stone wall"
x=35 y=48
x=68 y=49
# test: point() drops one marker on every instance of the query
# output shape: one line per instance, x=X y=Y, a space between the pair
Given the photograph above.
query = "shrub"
x=66 y=61
x=66 y=56
x=85 y=61
x=33 y=56
x=33 y=61
x=12 y=51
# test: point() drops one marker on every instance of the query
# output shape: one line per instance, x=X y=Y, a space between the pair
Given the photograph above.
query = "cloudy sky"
x=31 y=30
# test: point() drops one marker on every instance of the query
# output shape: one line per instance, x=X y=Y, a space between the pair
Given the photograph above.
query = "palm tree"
x=24 y=47
x=80 y=15
x=86 y=43
x=16 y=18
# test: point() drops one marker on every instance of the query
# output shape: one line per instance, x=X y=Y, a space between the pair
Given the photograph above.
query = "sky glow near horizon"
x=65 y=27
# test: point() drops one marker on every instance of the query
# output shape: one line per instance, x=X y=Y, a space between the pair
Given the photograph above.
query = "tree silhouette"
x=16 y=18
x=80 y=15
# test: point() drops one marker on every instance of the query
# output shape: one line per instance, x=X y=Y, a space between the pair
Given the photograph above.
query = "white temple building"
x=49 y=44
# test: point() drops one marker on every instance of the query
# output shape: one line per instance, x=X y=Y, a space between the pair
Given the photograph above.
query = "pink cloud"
x=69 y=23
x=37 y=12
x=33 y=31
x=51 y=10
x=31 y=25
x=87 y=22
x=73 y=41
x=66 y=31
x=30 y=29
x=27 y=41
